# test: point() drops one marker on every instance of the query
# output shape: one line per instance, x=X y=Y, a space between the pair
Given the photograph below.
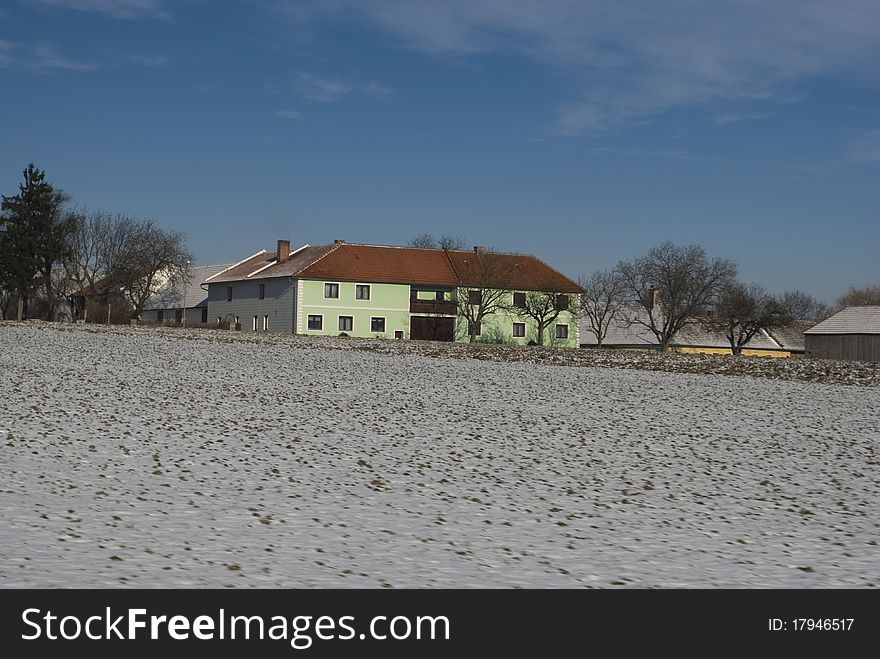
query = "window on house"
x=236 y=320
x=475 y=297
x=316 y=322
x=474 y=328
x=377 y=325
x=519 y=300
x=362 y=292
x=331 y=291
x=255 y=324
x=413 y=293
x=262 y=291
x=562 y=331
x=229 y=293
x=398 y=334
x=562 y=302
x=346 y=323
x=265 y=323
x=441 y=296
x=519 y=330
x=219 y=320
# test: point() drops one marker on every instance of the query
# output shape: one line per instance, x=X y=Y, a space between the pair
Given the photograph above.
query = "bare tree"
x=602 y=301
x=743 y=311
x=676 y=285
x=113 y=255
x=446 y=241
x=156 y=259
x=488 y=291
x=860 y=297
x=543 y=307
x=803 y=306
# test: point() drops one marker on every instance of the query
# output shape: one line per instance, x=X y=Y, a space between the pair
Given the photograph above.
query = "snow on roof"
x=174 y=297
x=852 y=320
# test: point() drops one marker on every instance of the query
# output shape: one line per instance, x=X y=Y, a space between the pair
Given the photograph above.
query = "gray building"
x=851 y=334
x=259 y=292
x=187 y=299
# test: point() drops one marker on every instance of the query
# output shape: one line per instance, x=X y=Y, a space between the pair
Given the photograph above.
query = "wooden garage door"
x=431 y=328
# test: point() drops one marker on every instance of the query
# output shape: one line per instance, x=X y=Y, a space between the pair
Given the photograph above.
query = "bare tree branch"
x=676 y=285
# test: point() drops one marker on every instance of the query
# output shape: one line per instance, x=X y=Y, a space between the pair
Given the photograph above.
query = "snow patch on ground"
x=135 y=457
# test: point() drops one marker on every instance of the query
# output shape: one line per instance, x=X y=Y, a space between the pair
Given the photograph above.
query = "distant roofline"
x=235 y=265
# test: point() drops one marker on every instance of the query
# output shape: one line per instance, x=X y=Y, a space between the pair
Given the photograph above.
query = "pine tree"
x=34 y=229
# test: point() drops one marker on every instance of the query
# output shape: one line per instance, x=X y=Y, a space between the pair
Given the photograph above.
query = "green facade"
x=392 y=302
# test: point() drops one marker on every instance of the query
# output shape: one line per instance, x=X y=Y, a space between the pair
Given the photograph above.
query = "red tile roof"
x=515 y=271
x=379 y=263
x=404 y=265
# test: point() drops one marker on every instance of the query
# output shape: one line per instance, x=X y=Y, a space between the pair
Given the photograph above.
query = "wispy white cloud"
x=866 y=149
x=288 y=114
x=39 y=57
x=128 y=9
x=632 y=60
x=43 y=57
x=327 y=89
x=735 y=118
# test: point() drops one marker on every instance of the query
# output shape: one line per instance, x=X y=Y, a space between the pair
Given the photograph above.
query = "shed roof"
x=852 y=320
x=792 y=337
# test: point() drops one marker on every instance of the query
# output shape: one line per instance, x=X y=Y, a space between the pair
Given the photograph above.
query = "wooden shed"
x=851 y=334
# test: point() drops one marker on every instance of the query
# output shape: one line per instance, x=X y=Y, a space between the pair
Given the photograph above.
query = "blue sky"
x=583 y=132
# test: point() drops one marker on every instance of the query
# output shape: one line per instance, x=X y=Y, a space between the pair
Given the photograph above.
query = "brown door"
x=431 y=328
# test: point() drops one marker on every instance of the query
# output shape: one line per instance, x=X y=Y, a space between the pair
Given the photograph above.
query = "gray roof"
x=792 y=336
x=263 y=264
x=852 y=320
x=621 y=333
x=173 y=297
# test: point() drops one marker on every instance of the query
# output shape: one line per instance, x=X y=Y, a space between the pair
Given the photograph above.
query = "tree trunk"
x=50 y=298
x=473 y=338
x=664 y=345
x=540 y=334
x=736 y=350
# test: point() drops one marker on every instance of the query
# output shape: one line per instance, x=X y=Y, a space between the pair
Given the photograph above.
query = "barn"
x=852 y=333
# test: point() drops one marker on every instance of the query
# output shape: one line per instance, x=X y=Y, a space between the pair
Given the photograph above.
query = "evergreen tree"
x=34 y=232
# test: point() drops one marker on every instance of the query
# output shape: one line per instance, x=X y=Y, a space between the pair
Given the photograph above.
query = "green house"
x=397 y=293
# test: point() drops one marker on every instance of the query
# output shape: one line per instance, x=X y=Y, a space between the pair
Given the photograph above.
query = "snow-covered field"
x=135 y=457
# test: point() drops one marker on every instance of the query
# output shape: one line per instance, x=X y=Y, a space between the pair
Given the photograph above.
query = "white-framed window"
x=331 y=291
x=398 y=334
x=255 y=324
x=316 y=322
x=346 y=323
x=519 y=330
x=265 y=323
x=562 y=331
x=519 y=299
x=377 y=324
x=362 y=292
